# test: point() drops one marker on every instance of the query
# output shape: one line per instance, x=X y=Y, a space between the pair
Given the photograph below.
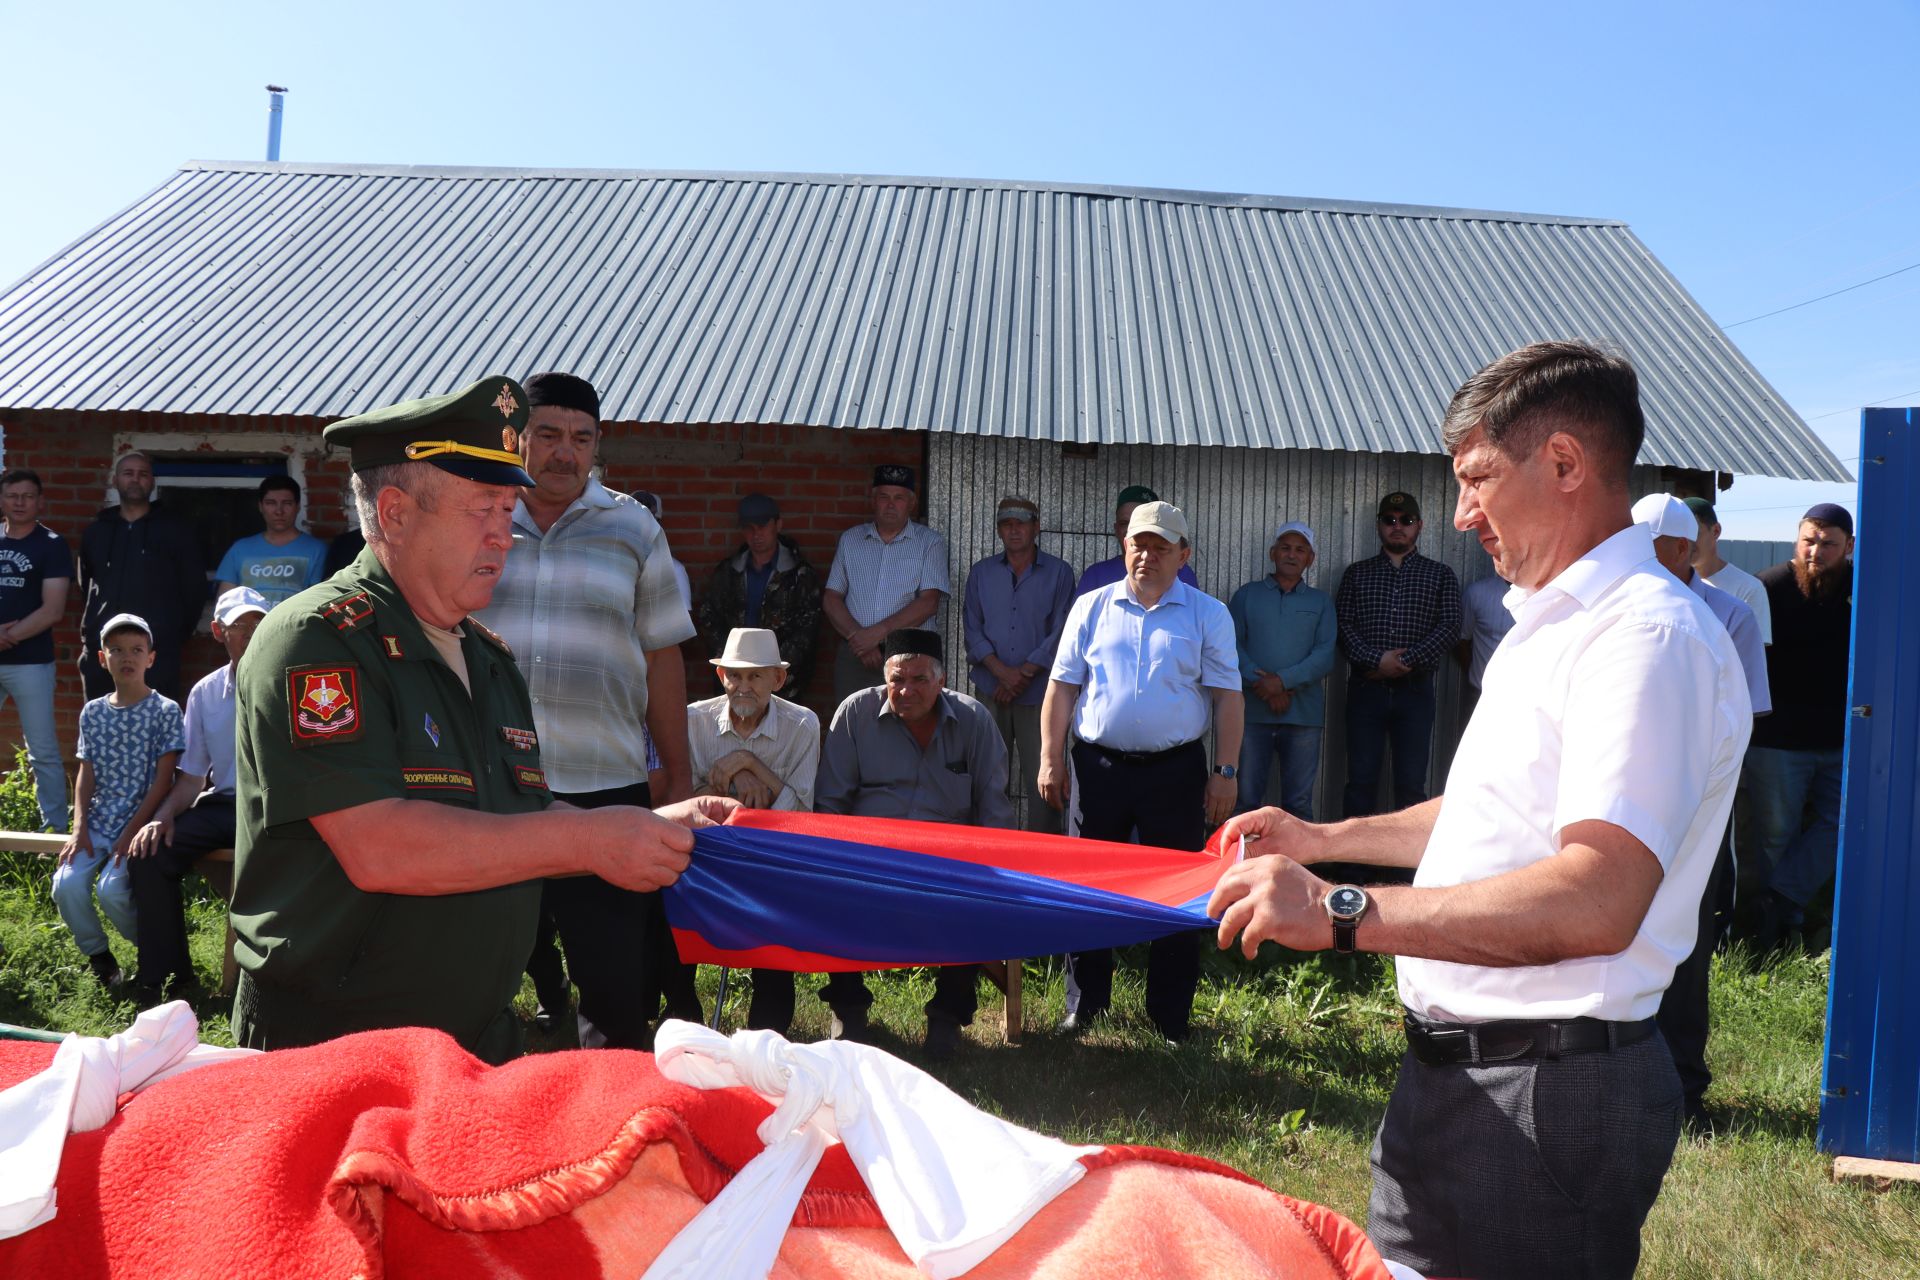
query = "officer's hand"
x=1271 y=830
x=1271 y=900
x=637 y=849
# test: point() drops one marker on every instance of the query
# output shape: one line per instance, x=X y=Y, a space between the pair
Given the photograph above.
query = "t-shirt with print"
x=124 y=744
x=25 y=566
x=275 y=572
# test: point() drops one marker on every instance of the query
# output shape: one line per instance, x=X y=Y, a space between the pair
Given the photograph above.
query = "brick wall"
x=819 y=476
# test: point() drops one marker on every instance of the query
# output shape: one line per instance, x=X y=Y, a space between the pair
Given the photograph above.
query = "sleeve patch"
x=435 y=778
x=530 y=778
x=349 y=612
x=324 y=704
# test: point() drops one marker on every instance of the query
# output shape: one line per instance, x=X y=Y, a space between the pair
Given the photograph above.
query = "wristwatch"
x=1345 y=904
x=1225 y=770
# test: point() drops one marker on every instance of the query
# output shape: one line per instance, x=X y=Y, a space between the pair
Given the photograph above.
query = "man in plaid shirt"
x=1399 y=614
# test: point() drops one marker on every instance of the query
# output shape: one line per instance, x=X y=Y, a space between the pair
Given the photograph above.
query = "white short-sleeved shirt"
x=1749 y=590
x=1617 y=697
x=880 y=578
x=1744 y=630
x=209 y=725
x=1144 y=673
x=787 y=741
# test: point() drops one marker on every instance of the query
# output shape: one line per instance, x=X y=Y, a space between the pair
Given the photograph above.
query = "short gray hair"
x=939 y=667
x=420 y=480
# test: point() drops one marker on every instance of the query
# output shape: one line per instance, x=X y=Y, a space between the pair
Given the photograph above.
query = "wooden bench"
x=215 y=867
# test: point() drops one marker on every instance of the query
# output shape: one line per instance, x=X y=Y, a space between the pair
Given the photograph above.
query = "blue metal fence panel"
x=1870 y=1098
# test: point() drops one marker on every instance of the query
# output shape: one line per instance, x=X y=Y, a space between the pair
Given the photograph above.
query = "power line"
x=1833 y=413
x=1822 y=298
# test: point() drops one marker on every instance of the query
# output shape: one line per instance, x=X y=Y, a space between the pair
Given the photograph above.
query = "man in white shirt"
x=887 y=574
x=1730 y=578
x=1559 y=876
x=764 y=752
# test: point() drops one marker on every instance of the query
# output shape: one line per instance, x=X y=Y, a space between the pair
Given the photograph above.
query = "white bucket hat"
x=748 y=648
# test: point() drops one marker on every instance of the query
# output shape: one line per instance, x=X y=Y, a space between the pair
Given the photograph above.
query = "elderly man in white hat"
x=763 y=751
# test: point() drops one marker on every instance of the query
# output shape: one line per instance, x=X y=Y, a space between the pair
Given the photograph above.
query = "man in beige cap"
x=1144 y=665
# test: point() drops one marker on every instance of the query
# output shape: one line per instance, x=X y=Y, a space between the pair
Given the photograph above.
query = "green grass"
x=1286 y=1077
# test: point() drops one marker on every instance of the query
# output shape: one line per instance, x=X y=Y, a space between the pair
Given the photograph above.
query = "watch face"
x=1346 y=902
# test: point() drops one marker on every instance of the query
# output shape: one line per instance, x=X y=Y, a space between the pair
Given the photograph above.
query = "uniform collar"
x=394 y=618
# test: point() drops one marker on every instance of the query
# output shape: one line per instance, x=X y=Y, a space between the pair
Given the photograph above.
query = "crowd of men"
x=470 y=752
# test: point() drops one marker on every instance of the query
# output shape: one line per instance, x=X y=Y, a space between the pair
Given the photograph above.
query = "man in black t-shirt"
x=1794 y=763
x=35 y=570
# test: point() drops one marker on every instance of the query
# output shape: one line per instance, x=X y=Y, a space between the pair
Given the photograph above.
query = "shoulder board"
x=488 y=634
x=349 y=612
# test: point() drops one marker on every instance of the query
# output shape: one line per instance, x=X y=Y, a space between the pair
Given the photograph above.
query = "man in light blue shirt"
x=1143 y=665
x=282 y=561
x=887 y=574
x=1016 y=603
x=1285 y=631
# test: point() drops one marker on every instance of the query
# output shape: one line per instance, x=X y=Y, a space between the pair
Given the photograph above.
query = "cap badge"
x=506 y=402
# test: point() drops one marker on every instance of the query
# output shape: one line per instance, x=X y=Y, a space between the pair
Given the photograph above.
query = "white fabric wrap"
x=952 y=1182
x=80 y=1091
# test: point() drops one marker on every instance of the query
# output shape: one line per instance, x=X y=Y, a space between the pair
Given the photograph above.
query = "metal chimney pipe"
x=276 y=106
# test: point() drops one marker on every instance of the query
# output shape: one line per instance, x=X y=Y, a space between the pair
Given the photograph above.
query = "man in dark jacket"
x=136 y=558
x=766 y=583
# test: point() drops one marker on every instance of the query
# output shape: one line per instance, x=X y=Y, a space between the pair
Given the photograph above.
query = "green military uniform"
x=343 y=701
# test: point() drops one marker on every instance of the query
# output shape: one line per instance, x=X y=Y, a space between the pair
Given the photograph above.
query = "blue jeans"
x=1799 y=850
x=73 y=897
x=1297 y=747
x=1380 y=712
x=30 y=685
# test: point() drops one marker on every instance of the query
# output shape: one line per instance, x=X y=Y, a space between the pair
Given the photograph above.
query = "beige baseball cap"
x=1162 y=518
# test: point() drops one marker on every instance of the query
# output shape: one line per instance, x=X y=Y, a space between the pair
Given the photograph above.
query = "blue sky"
x=1767 y=153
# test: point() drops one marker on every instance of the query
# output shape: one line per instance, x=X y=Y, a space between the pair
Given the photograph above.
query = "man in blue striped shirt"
x=1285 y=632
x=1399 y=614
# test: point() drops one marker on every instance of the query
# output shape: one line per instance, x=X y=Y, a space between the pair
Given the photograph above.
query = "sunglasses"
x=1405 y=522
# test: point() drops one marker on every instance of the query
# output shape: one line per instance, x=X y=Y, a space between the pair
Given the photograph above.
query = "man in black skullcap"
x=913 y=748
x=886 y=575
x=394 y=816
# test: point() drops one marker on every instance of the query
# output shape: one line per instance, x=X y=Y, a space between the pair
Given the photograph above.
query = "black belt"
x=1442 y=1044
x=1136 y=757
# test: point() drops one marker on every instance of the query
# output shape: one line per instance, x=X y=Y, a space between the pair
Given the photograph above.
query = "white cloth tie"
x=952 y=1182
x=80 y=1091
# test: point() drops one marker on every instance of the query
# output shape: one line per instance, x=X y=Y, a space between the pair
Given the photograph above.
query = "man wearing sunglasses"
x=1399 y=614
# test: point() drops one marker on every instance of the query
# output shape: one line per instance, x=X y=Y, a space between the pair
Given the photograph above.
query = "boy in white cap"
x=130 y=741
x=197 y=815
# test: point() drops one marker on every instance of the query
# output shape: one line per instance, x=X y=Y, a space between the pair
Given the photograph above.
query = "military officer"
x=394 y=820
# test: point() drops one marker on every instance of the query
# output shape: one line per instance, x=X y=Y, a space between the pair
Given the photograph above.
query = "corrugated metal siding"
x=1233 y=498
x=983 y=309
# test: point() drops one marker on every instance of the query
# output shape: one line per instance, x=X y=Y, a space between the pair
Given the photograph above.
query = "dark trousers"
x=1683 y=1009
x=1524 y=1169
x=619 y=949
x=1165 y=799
x=1381 y=713
x=161 y=921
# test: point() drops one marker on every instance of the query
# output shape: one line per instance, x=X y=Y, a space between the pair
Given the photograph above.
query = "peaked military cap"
x=473 y=433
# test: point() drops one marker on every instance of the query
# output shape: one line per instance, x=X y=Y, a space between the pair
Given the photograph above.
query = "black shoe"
x=851 y=1025
x=105 y=971
x=943 y=1040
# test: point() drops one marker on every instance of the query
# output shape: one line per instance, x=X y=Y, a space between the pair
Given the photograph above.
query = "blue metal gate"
x=1870 y=1098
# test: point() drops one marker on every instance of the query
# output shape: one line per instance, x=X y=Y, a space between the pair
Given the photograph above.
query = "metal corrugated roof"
x=1062 y=312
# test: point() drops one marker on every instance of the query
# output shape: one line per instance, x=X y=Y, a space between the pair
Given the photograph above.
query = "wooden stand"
x=1883 y=1173
x=1006 y=974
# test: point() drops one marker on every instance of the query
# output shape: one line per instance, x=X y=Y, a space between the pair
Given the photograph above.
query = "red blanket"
x=395 y=1153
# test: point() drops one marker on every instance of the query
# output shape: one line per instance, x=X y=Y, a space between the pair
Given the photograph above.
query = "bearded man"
x=1797 y=750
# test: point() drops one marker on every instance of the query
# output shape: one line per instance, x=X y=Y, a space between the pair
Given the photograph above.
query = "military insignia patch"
x=349 y=612
x=506 y=403
x=530 y=778
x=521 y=739
x=509 y=439
x=435 y=778
x=433 y=730
x=487 y=633
x=323 y=704
x=392 y=644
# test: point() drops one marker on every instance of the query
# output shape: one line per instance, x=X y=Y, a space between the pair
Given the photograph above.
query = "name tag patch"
x=436 y=778
x=530 y=778
x=324 y=703
x=521 y=739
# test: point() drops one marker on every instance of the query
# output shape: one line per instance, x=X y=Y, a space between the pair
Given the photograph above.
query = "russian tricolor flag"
x=822 y=893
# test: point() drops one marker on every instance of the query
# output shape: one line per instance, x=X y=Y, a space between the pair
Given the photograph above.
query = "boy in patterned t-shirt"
x=130 y=741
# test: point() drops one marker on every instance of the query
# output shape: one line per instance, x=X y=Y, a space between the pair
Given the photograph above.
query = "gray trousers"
x=1526 y=1169
x=850 y=675
x=1020 y=730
